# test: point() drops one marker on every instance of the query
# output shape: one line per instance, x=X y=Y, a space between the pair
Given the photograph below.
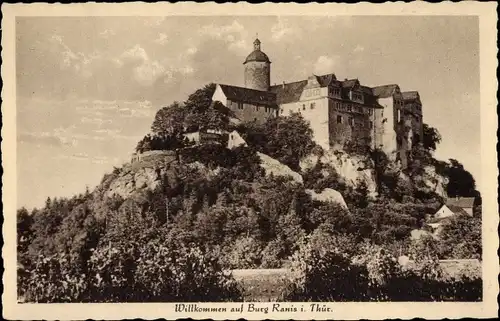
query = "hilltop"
x=249 y=205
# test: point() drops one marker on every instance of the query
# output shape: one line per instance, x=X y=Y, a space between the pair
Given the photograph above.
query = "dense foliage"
x=327 y=268
x=285 y=138
x=217 y=210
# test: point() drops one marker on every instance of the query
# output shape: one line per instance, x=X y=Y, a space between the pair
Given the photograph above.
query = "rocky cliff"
x=351 y=168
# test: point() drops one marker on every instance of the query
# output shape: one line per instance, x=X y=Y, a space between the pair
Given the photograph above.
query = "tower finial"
x=256 y=44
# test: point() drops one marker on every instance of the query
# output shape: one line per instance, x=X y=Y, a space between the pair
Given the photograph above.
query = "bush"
x=245 y=254
x=321 y=271
x=161 y=269
x=272 y=255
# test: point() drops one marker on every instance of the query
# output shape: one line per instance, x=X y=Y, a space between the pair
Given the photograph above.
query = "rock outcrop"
x=351 y=168
x=271 y=165
x=130 y=181
x=328 y=195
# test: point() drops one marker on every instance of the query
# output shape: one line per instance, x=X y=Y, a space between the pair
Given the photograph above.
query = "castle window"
x=313 y=105
x=303 y=106
x=399 y=115
x=257 y=108
x=349 y=108
x=240 y=105
x=370 y=111
x=339 y=119
x=371 y=124
x=351 y=122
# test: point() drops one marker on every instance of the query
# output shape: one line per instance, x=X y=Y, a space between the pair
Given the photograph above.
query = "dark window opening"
x=339 y=119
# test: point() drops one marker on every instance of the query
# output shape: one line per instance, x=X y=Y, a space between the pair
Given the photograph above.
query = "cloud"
x=75 y=61
x=145 y=70
x=359 y=48
x=96 y=121
x=191 y=50
x=325 y=64
x=162 y=39
x=153 y=21
x=107 y=33
x=234 y=35
x=281 y=29
x=55 y=138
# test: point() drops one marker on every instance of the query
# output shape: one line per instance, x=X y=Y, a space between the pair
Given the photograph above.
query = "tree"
x=169 y=119
x=461 y=182
x=285 y=138
x=431 y=138
x=461 y=238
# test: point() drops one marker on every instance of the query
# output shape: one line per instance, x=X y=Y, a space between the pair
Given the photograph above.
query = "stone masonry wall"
x=249 y=112
x=257 y=75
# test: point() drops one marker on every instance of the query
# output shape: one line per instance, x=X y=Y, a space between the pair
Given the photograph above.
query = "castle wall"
x=316 y=112
x=249 y=112
x=349 y=122
x=385 y=126
x=257 y=75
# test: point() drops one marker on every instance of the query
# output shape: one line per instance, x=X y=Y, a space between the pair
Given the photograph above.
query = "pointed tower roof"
x=257 y=54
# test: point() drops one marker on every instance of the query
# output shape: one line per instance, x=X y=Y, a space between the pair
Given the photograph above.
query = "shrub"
x=321 y=271
x=272 y=255
x=160 y=269
x=245 y=254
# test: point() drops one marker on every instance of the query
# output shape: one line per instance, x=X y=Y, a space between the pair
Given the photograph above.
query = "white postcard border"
x=489 y=124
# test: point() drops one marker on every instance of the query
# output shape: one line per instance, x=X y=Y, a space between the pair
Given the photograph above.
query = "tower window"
x=240 y=105
x=399 y=115
x=349 y=108
x=339 y=119
x=303 y=106
x=371 y=124
x=313 y=105
x=351 y=123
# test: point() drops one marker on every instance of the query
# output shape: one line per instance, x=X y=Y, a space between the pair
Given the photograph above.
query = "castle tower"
x=257 y=69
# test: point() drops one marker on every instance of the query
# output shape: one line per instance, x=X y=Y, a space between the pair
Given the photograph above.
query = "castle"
x=339 y=111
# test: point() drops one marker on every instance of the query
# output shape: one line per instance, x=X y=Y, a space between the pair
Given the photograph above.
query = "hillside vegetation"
x=167 y=231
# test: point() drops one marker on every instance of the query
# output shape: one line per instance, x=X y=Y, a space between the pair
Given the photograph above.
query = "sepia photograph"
x=279 y=163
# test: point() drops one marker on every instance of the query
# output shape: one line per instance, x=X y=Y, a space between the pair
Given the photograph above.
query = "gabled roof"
x=326 y=80
x=349 y=83
x=410 y=95
x=288 y=93
x=463 y=202
x=247 y=95
x=457 y=209
x=384 y=91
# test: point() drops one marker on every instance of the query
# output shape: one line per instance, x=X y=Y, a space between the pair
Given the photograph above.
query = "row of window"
x=334 y=91
x=266 y=109
x=356 y=96
x=353 y=108
x=311 y=106
x=350 y=122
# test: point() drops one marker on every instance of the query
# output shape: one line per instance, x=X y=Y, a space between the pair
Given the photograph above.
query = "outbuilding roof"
x=384 y=91
x=463 y=202
x=247 y=95
x=288 y=93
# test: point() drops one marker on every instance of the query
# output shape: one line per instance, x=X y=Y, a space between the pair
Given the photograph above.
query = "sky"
x=88 y=87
